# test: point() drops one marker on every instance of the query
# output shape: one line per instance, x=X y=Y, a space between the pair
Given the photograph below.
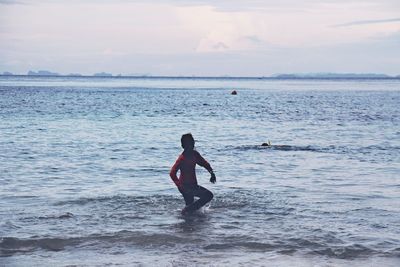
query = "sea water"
x=84 y=172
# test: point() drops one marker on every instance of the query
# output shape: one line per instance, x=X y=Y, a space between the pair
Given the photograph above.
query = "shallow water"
x=85 y=162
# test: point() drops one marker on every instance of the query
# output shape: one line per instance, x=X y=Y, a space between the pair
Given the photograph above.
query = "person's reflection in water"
x=187 y=182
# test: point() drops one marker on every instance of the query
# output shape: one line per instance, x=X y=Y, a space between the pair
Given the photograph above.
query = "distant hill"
x=323 y=75
x=332 y=75
x=6 y=73
x=102 y=74
x=42 y=73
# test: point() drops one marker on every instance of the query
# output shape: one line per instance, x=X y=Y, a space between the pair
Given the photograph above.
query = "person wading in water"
x=187 y=182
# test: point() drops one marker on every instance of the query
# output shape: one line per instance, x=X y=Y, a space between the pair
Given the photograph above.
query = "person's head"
x=187 y=141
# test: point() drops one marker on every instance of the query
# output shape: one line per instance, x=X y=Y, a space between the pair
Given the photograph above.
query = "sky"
x=200 y=37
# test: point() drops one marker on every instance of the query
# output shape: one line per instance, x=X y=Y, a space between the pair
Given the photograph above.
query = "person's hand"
x=213 y=179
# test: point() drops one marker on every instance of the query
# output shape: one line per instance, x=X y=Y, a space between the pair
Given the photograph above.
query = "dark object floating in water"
x=234 y=92
x=66 y=215
x=266 y=144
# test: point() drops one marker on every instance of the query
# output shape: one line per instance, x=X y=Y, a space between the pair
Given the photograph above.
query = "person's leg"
x=204 y=195
x=187 y=196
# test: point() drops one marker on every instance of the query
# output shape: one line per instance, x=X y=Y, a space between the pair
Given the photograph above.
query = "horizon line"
x=278 y=76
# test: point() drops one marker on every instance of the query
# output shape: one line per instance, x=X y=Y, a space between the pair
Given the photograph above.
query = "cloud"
x=11 y=2
x=221 y=5
x=201 y=37
x=220 y=46
x=253 y=39
x=366 y=22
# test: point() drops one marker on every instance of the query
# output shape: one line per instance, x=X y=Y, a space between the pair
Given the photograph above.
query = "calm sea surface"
x=84 y=172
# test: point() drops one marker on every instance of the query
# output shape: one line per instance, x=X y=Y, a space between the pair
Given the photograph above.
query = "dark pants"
x=189 y=192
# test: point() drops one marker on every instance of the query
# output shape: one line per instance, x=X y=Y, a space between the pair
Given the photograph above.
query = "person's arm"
x=203 y=163
x=174 y=171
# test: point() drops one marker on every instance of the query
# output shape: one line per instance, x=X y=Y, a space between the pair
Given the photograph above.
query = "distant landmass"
x=332 y=75
x=50 y=73
x=102 y=74
x=322 y=75
x=42 y=73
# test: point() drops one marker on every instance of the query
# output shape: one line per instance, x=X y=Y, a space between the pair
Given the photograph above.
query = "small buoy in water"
x=266 y=144
x=234 y=92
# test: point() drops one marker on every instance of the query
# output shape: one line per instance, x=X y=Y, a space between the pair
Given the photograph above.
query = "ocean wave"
x=342 y=252
x=235 y=199
x=346 y=252
x=276 y=147
x=65 y=215
x=254 y=220
x=12 y=245
x=120 y=200
x=135 y=210
x=361 y=152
